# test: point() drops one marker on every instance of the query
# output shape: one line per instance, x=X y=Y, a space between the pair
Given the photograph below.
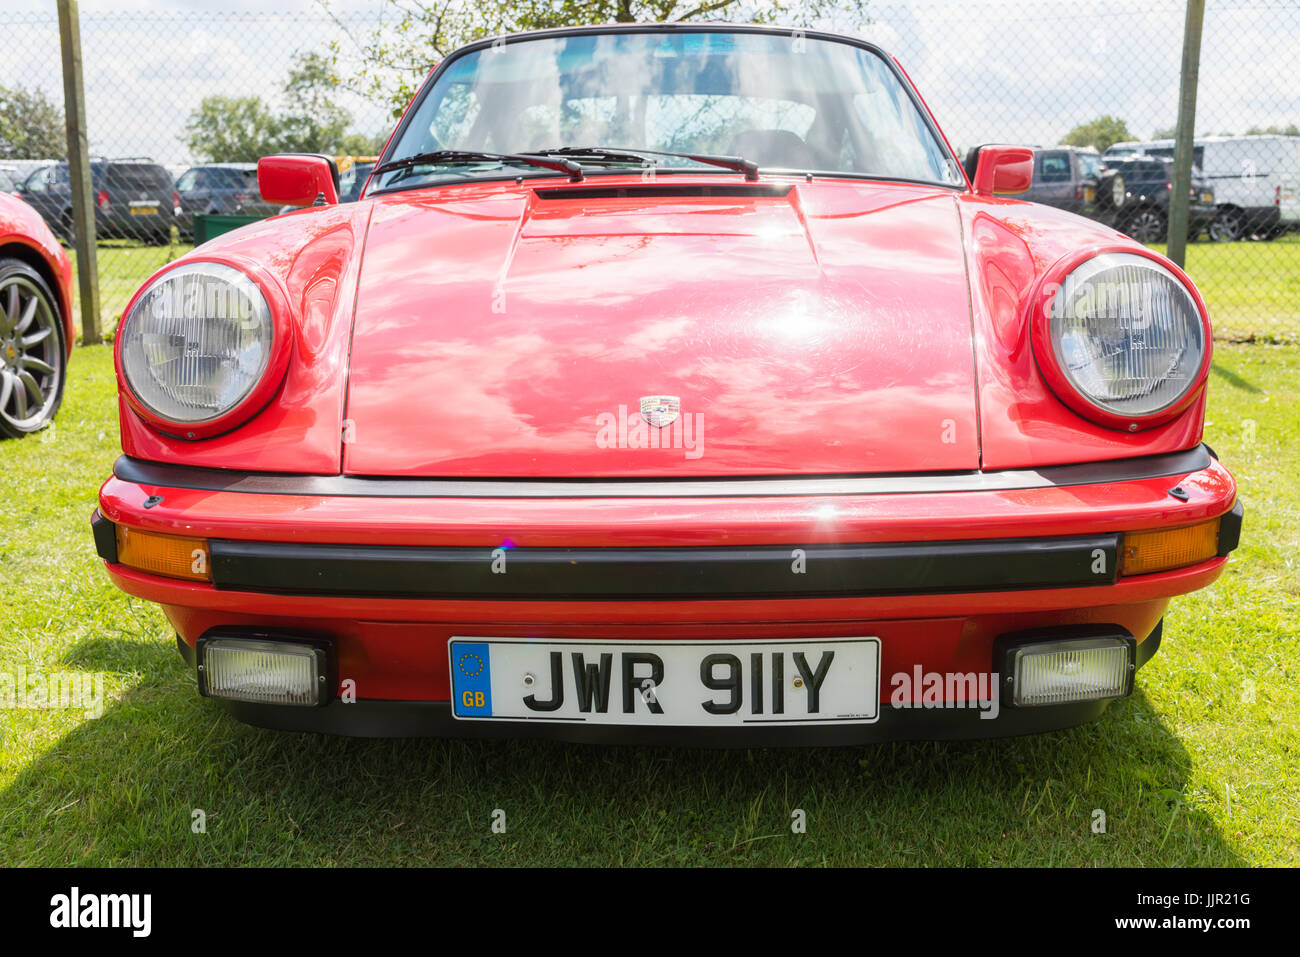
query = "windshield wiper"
x=620 y=155
x=439 y=157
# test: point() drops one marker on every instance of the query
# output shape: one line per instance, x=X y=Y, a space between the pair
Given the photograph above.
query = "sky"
x=991 y=70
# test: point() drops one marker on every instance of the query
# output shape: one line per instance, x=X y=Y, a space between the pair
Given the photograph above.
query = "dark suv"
x=225 y=189
x=133 y=199
x=1133 y=197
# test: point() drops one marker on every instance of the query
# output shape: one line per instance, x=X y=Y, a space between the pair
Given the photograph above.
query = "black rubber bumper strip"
x=1230 y=528
x=105 y=533
x=794 y=571
x=162 y=476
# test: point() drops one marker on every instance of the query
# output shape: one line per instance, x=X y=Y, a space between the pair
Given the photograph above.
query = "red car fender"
x=24 y=235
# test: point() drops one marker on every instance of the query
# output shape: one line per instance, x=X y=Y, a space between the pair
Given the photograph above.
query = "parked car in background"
x=353 y=176
x=1133 y=196
x=20 y=169
x=36 y=331
x=1256 y=182
x=218 y=189
x=134 y=199
x=1122 y=150
x=1065 y=177
x=696 y=426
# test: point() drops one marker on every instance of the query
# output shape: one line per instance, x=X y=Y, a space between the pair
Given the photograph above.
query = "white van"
x=1256 y=180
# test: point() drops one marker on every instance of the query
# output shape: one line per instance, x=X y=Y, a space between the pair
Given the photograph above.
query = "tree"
x=1166 y=133
x=394 y=59
x=239 y=129
x=1101 y=133
x=1291 y=130
x=232 y=129
x=313 y=122
x=31 y=127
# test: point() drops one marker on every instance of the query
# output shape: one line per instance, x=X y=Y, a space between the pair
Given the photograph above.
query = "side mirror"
x=298 y=179
x=1003 y=169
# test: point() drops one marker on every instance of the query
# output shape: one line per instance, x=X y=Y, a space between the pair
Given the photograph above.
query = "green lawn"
x=1252 y=289
x=1201 y=766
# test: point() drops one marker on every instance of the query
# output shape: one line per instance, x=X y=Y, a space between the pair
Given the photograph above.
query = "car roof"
x=675 y=26
x=1140 y=162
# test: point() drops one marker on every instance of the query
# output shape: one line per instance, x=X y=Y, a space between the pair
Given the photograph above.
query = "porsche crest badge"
x=660 y=410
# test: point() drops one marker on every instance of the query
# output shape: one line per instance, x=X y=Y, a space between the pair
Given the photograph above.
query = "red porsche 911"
x=668 y=383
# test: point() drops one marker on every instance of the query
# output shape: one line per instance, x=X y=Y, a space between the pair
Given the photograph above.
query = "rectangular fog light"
x=263 y=671
x=1071 y=670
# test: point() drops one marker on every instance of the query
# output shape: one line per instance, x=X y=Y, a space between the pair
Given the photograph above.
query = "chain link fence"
x=178 y=104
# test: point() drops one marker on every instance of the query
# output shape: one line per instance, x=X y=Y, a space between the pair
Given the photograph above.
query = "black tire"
x=33 y=359
x=1228 y=226
x=1147 y=224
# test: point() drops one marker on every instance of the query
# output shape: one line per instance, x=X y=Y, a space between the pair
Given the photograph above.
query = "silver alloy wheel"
x=31 y=357
x=1147 y=226
x=1226 y=227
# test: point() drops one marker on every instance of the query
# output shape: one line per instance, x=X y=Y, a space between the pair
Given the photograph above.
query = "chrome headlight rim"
x=253 y=400
x=1061 y=384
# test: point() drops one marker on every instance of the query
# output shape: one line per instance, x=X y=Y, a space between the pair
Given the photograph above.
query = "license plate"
x=1089 y=194
x=1207 y=197
x=670 y=683
x=143 y=210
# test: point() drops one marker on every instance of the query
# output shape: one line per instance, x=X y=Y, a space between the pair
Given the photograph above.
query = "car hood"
x=793 y=327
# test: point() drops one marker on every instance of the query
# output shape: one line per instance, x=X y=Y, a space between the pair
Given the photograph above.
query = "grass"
x=1200 y=767
x=1252 y=289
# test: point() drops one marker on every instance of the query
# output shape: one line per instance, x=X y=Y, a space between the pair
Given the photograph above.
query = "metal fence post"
x=79 y=175
x=1184 y=138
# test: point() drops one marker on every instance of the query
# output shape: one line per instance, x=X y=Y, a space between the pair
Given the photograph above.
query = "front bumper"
x=937 y=567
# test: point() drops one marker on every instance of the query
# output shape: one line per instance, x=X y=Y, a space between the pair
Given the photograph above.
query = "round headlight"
x=1127 y=336
x=196 y=343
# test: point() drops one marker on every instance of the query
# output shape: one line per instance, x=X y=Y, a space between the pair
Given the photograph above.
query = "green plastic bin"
x=209 y=226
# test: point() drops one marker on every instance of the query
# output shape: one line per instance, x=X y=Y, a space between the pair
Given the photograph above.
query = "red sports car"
x=669 y=383
x=36 y=331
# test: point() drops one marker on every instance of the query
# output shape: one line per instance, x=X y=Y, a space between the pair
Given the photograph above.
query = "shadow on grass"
x=120 y=656
x=125 y=789
x=1235 y=380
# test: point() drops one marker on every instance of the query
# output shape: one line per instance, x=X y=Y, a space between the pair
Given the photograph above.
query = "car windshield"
x=784 y=102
